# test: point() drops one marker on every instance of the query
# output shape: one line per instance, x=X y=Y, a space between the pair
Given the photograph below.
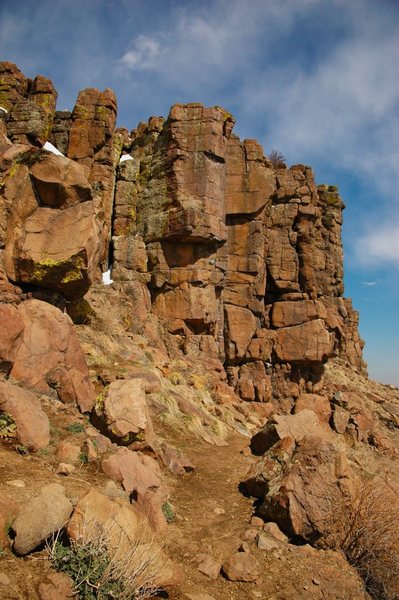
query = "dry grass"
x=100 y=566
x=367 y=532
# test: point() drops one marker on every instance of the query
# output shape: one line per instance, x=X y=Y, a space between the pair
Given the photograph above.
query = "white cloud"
x=145 y=54
x=379 y=245
x=368 y=283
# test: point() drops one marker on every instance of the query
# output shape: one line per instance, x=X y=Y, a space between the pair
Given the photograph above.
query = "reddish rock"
x=302 y=498
x=241 y=567
x=67 y=452
x=59 y=182
x=56 y=586
x=296 y=427
x=240 y=328
x=14 y=85
x=31 y=118
x=254 y=383
x=318 y=404
x=309 y=342
x=340 y=419
x=210 y=567
x=12 y=326
x=287 y=314
x=50 y=357
x=175 y=460
x=273 y=530
x=126 y=411
x=32 y=424
x=93 y=123
x=124 y=529
x=141 y=477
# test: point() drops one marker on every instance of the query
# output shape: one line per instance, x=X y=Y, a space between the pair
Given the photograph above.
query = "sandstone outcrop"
x=240 y=257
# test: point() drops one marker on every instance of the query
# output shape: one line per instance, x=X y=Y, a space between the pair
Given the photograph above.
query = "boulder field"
x=180 y=372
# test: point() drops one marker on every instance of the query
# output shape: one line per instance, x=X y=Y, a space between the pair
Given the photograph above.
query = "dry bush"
x=101 y=567
x=367 y=532
x=277 y=158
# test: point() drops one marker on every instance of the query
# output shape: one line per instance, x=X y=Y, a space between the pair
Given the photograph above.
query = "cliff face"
x=239 y=258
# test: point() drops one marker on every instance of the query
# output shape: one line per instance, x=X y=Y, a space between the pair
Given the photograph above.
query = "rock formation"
x=226 y=313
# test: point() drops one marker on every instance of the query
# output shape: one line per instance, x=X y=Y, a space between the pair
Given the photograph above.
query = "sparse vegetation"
x=7 y=426
x=100 y=571
x=75 y=427
x=277 y=158
x=169 y=512
x=367 y=532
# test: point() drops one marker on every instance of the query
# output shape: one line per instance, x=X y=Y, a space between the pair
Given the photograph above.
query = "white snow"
x=50 y=148
x=125 y=157
x=107 y=277
x=4 y=109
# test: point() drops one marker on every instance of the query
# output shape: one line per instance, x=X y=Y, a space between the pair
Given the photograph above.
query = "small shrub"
x=7 y=426
x=277 y=158
x=169 y=512
x=21 y=449
x=367 y=532
x=75 y=428
x=176 y=378
x=83 y=457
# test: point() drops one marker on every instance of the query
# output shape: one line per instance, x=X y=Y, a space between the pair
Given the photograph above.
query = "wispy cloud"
x=146 y=54
x=368 y=283
x=379 y=246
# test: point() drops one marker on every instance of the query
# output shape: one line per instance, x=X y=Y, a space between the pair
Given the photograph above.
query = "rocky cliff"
x=239 y=257
x=224 y=323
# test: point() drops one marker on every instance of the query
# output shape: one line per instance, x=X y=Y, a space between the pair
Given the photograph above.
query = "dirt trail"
x=201 y=528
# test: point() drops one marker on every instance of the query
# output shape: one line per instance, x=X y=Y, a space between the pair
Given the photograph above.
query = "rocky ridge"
x=226 y=313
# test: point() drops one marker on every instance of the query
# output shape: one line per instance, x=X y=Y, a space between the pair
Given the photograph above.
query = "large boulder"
x=32 y=424
x=296 y=426
x=49 y=356
x=124 y=530
x=141 y=478
x=304 y=494
x=126 y=411
x=49 y=217
x=40 y=518
x=12 y=326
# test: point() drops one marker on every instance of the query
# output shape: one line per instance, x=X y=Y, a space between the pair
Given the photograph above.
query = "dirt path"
x=212 y=515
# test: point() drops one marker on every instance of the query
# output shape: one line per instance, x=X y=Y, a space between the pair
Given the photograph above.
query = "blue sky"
x=315 y=79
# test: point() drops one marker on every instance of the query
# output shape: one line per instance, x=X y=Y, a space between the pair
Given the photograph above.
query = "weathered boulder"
x=141 y=477
x=303 y=496
x=126 y=411
x=31 y=118
x=32 y=424
x=296 y=426
x=40 y=518
x=51 y=233
x=124 y=529
x=12 y=326
x=49 y=356
x=318 y=404
x=59 y=182
x=14 y=85
x=93 y=123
